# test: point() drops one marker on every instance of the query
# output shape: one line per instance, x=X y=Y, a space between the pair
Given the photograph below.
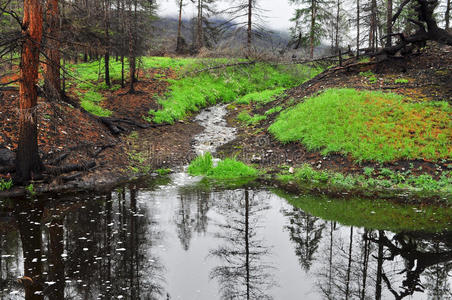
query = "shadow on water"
x=186 y=242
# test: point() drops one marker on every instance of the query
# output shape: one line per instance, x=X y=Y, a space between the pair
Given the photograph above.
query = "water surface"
x=188 y=241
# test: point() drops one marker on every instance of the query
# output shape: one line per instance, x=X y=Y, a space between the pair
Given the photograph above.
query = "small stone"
x=291 y=170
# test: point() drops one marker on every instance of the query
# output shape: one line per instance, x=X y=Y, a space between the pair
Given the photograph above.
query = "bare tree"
x=28 y=162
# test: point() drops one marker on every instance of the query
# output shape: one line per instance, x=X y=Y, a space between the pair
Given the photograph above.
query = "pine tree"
x=313 y=13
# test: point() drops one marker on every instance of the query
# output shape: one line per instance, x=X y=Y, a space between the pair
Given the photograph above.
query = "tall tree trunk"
x=250 y=24
x=107 y=42
x=199 y=31
x=336 y=44
x=52 y=66
x=357 y=27
x=132 y=58
x=389 y=23
x=447 y=14
x=179 y=28
x=311 y=33
x=28 y=162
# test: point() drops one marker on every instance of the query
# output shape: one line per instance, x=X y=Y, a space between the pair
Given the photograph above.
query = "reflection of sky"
x=278 y=12
x=187 y=272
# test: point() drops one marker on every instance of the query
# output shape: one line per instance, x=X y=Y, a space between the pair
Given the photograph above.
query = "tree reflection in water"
x=244 y=273
x=189 y=218
x=377 y=264
x=305 y=232
x=100 y=248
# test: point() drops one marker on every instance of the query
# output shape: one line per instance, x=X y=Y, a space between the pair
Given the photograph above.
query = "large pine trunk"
x=28 y=162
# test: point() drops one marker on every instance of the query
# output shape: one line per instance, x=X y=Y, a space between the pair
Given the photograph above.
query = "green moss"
x=368 y=125
x=374 y=214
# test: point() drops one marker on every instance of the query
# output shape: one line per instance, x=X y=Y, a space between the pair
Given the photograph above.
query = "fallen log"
x=70 y=168
x=71 y=177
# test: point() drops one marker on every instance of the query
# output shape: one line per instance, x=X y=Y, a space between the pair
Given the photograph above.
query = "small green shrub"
x=368 y=171
x=201 y=165
x=5 y=184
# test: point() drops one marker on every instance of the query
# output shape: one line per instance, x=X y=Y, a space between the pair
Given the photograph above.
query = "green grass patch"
x=90 y=102
x=374 y=214
x=228 y=169
x=201 y=165
x=191 y=93
x=401 y=81
x=273 y=110
x=163 y=172
x=246 y=118
x=231 y=169
x=261 y=97
x=387 y=179
x=368 y=125
x=370 y=76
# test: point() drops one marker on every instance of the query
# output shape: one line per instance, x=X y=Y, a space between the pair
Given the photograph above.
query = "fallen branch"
x=71 y=177
x=58 y=159
x=102 y=148
x=70 y=168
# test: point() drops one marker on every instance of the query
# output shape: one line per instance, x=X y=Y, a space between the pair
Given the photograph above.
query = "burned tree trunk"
x=428 y=29
x=28 y=162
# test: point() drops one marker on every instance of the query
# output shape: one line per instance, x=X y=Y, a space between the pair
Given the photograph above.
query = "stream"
x=177 y=238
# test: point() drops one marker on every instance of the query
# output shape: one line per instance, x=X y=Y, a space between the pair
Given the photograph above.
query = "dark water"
x=178 y=241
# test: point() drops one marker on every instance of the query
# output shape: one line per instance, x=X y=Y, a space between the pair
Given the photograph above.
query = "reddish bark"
x=28 y=162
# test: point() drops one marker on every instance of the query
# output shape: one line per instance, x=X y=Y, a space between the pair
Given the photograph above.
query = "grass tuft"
x=201 y=165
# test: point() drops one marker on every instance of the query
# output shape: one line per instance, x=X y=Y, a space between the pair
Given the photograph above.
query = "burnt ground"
x=80 y=138
x=430 y=78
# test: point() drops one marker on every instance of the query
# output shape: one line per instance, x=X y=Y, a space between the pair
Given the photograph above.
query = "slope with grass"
x=369 y=126
x=253 y=82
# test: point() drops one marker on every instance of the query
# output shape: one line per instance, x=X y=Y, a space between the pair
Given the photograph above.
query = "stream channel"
x=178 y=238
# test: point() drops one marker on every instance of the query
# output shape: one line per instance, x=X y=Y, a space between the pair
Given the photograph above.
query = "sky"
x=278 y=12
